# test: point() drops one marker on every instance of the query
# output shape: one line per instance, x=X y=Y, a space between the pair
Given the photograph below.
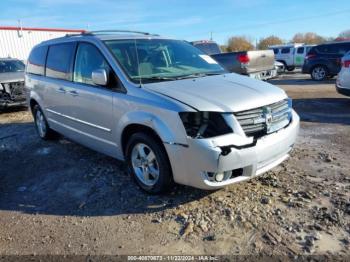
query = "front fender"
x=171 y=131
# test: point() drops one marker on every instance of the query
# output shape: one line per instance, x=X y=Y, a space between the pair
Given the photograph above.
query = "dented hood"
x=220 y=93
x=11 y=77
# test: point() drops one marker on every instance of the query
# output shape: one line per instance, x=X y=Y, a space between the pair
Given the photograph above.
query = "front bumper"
x=342 y=90
x=190 y=164
x=10 y=103
x=264 y=75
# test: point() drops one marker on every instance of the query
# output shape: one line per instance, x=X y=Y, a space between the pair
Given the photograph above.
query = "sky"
x=189 y=20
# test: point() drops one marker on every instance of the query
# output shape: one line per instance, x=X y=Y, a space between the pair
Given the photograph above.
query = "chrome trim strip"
x=79 y=121
x=82 y=133
x=175 y=144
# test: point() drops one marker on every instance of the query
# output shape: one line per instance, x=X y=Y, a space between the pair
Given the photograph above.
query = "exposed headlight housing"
x=207 y=124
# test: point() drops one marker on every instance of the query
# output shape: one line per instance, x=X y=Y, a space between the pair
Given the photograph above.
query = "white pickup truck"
x=291 y=55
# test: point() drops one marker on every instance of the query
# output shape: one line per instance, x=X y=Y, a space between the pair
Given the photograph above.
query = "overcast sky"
x=185 y=19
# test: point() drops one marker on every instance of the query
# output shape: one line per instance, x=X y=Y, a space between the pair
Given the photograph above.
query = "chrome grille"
x=264 y=120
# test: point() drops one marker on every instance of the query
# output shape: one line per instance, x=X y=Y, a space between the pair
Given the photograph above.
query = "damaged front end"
x=227 y=148
x=12 y=94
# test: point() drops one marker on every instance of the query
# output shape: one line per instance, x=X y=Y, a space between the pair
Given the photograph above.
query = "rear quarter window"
x=276 y=51
x=36 y=60
x=59 y=61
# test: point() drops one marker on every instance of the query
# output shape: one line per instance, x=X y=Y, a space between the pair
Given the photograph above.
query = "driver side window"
x=88 y=59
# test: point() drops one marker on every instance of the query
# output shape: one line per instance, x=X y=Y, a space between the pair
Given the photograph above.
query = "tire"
x=41 y=125
x=290 y=68
x=319 y=73
x=145 y=153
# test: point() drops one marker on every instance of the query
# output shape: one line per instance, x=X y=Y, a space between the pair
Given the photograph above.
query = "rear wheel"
x=42 y=127
x=319 y=73
x=148 y=163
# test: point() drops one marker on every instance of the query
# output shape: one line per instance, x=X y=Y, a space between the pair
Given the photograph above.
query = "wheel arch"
x=137 y=128
x=137 y=121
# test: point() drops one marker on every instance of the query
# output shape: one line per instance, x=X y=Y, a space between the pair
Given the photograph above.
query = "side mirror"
x=100 y=77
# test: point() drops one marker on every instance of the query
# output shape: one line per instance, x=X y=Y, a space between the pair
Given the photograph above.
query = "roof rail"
x=115 y=31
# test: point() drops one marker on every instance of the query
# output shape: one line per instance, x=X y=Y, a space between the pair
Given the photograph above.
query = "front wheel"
x=319 y=73
x=148 y=163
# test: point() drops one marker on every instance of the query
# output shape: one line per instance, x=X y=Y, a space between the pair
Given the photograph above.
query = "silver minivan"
x=162 y=105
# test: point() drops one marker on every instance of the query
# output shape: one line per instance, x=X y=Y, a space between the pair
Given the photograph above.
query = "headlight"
x=1 y=87
x=207 y=124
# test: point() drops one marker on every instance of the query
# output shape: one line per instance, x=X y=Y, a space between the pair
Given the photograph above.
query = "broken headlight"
x=207 y=124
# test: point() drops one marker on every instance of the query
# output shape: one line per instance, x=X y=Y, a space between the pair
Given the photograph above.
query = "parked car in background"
x=256 y=64
x=324 y=61
x=11 y=83
x=168 y=109
x=343 y=79
x=291 y=55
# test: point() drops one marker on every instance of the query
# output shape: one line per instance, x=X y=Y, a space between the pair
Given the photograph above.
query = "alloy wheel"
x=145 y=164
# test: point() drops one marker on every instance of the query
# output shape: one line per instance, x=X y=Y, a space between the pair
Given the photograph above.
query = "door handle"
x=73 y=93
x=61 y=90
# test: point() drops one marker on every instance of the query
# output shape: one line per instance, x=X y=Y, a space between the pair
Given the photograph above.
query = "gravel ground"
x=61 y=198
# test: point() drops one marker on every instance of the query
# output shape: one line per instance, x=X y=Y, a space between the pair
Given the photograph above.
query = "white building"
x=16 y=42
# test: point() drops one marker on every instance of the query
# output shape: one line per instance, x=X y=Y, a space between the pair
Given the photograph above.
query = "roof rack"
x=110 y=31
x=116 y=31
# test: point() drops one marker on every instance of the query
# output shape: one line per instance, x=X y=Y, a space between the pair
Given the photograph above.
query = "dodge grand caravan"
x=160 y=104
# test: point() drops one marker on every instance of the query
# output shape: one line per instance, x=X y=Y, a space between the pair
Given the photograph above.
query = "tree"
x=239 y=43
x=264 y=43
x=308 y=38
x=223 y=48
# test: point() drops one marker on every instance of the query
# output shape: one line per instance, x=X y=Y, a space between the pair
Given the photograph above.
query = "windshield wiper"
x=195 y=75
x=155 y=78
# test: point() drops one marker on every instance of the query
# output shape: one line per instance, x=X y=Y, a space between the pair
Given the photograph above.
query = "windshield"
x=162 y=59
x=10 y=66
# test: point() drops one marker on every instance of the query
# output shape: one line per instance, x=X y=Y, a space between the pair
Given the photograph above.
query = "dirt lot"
x=61 y=198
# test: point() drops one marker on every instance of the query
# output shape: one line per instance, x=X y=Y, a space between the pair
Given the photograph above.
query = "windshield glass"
x=162 y=59
x=10 y=66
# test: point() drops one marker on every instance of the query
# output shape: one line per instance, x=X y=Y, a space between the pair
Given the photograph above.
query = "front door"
x=92 y=105
x=299 y=56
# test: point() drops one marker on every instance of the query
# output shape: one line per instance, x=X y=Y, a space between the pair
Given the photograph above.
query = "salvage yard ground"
x=61 y=198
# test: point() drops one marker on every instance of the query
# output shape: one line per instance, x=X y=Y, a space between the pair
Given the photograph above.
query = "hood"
x=11 y=77
x=221 y=93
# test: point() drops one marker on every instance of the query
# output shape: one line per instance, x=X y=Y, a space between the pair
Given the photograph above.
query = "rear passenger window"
x=300 y=50
x=59 y=61
x=326 y=49
x=285 y=50
x=343 y=48
x=36 y=60
x=88 y=59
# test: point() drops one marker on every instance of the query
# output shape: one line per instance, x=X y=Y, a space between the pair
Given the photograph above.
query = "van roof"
x=106 y=35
